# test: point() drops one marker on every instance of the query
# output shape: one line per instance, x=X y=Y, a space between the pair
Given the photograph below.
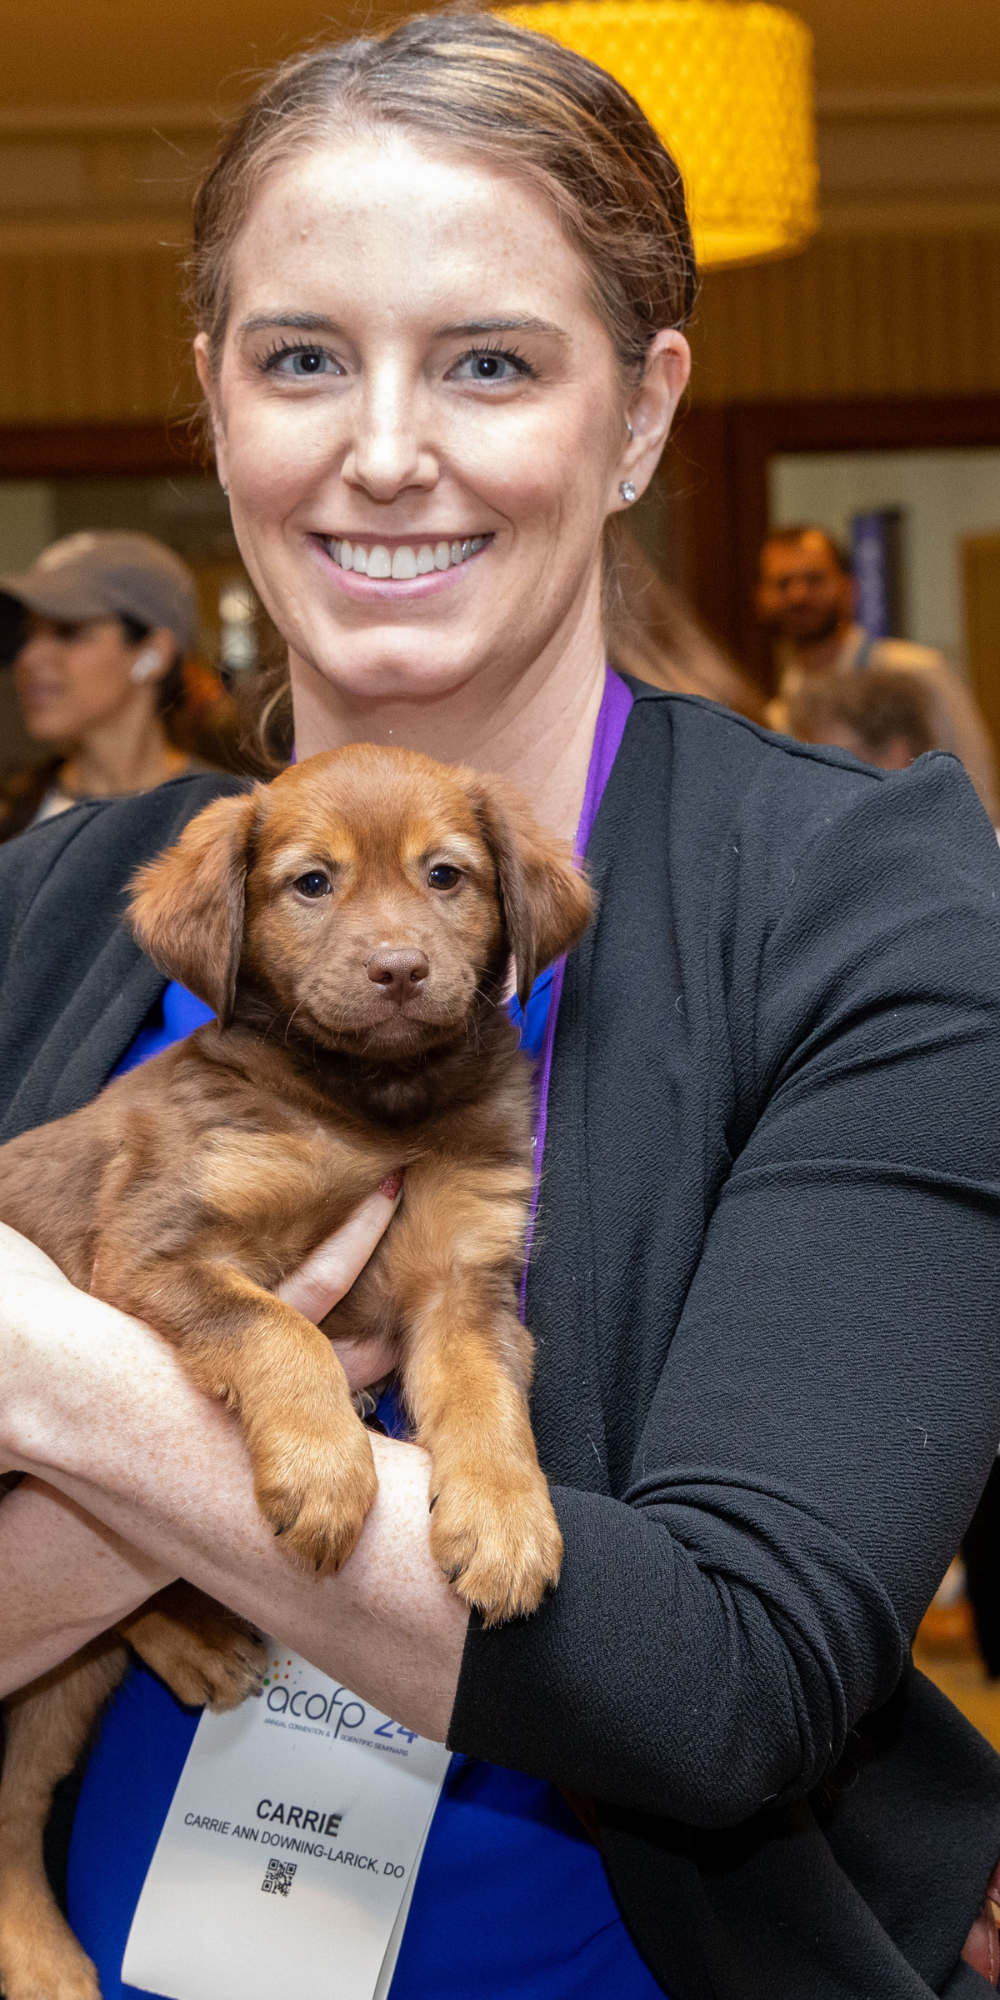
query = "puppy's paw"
x=216 y=1665
x=41 y=1960
x=498 y=1543
x=316 y=1492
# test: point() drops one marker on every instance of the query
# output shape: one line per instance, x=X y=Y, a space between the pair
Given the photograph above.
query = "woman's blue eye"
x=302 y=362
x=488 y=366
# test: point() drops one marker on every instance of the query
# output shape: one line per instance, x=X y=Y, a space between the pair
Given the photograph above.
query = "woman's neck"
x=538 y=732
x=128 y=753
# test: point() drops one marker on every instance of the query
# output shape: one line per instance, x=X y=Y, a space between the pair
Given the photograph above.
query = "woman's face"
x=413 y=367
x=71 y=678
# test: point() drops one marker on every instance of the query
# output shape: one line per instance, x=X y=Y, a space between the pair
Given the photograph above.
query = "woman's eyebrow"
x=525 y=323
x=302 y=322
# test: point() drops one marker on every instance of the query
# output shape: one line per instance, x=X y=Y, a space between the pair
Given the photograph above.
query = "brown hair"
x=475 y=81
x=782 y=538
x=874 y=705
x=652 y=632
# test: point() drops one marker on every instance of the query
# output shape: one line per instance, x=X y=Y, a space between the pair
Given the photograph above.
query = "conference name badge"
x=287 y=1860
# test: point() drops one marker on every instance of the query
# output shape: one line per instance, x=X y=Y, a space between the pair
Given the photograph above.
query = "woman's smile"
x=394 y=568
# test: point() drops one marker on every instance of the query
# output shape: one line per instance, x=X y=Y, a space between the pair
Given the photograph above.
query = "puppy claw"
x=216 y=1664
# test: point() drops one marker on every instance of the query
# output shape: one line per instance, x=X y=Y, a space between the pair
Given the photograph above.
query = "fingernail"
x=391 y=1185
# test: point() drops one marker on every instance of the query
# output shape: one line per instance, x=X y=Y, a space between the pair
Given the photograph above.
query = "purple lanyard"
x=616 y=702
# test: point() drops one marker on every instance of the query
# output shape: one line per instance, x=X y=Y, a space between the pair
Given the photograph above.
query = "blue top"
x=511 y=1898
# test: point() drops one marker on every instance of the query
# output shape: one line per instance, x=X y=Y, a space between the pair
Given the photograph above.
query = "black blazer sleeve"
x=74 y=987
x=829 y=1404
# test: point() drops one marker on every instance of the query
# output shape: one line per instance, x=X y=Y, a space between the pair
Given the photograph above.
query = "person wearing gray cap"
x=108 y=619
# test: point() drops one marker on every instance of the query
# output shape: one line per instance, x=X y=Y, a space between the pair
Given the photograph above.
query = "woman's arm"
x=65 y=1579
x=99 y=1409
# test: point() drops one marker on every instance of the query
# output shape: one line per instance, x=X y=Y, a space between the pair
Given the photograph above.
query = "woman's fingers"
x=330 y=1270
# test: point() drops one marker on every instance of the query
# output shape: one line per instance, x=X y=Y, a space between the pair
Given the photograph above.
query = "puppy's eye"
x=314 y=884
x=443 y=876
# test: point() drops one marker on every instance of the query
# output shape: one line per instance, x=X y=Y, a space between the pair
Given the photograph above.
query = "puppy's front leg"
x=493 y=1530
x=314 y=1474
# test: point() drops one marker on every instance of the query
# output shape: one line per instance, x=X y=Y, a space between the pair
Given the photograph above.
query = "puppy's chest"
x=305 y=1174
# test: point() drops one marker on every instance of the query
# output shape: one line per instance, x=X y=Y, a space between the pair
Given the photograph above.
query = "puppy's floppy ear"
x=186 y=907
x=546 y=902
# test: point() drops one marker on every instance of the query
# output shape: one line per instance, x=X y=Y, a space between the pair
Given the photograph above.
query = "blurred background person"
x=806 y=597
x=882 y=717
x=99 y=671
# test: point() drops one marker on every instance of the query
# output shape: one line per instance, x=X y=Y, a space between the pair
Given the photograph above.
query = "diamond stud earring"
x=627 y=491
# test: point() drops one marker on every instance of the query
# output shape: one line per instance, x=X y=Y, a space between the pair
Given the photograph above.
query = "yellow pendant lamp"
x=728 y=86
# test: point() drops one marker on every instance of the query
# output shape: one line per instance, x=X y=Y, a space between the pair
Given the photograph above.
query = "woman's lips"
x=400 y=569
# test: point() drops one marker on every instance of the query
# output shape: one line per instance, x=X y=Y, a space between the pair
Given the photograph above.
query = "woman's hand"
x=329 y=1272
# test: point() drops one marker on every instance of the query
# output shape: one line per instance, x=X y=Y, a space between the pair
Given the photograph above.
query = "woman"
x=109 y=617
x=440 y=283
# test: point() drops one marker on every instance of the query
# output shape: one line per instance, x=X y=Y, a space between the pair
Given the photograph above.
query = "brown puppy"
x=352 y=926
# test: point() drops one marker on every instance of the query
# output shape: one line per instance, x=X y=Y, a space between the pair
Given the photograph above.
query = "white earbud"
x=145 y=665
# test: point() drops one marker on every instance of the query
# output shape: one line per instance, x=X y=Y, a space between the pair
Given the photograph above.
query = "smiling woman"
x=439 y=281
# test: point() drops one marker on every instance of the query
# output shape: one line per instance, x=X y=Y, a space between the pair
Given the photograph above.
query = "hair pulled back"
x=475 y=81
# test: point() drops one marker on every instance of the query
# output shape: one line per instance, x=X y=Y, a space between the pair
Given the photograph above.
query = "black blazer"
x=766 y=1293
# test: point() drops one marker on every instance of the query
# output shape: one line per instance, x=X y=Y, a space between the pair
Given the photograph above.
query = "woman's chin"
x=394 y=666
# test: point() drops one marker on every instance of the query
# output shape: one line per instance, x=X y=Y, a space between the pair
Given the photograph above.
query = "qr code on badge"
x=278 y=1879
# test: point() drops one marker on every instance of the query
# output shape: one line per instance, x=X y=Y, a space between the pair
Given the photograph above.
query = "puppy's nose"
x=398 y=971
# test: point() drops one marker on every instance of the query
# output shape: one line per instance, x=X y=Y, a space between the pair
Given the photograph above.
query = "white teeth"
x=405 y=562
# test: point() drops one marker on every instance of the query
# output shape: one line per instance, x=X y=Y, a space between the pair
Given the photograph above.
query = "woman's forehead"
x=396 y=215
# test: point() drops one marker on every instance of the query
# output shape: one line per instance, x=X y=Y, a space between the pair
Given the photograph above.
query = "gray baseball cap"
x=107 y=574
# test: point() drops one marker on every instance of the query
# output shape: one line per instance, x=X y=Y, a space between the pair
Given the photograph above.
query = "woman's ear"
x=209 y=389
x=186 y=907
x=546 y=902
x=651 y=410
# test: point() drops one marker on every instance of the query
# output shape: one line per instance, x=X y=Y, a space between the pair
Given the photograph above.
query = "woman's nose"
x=388 y=454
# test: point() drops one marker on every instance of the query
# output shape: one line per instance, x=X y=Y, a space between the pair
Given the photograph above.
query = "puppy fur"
x=352 y=926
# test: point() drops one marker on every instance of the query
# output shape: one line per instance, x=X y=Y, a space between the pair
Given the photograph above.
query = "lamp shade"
x=728 y=86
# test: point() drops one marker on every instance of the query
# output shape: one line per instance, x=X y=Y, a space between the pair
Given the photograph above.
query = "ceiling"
x=108 y=52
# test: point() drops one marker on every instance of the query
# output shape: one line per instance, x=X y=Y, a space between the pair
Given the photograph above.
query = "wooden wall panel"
x=92 y=337
x=867 y=315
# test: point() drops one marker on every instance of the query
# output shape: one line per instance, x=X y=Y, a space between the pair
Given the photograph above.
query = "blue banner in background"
x=876 y=559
